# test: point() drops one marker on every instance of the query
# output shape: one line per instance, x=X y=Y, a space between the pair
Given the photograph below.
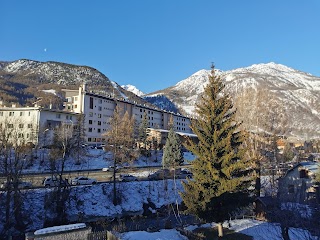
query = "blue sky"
x=153 y=44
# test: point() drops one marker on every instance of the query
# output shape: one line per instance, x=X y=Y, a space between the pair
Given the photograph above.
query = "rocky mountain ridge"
x=293 y=94
x=296 y=93
x=23 y=81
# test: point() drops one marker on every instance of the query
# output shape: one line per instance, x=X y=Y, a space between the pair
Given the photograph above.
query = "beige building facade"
x=98 y=110
x=32 y=124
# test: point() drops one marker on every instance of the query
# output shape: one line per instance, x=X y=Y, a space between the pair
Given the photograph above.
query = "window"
x=90 y=121
x=30 y=125
x=11 y=114
x=58 y=115
x=100 y=101
x=290 y=188
x=90 y=130
x=1 y=113
x=75 y=106
x=90 y=114
x=99 y=123
x=303 y=173
x=91 y=103
x=99 y=115
x=20 y=135
x=76 y=98
x=29 y=113
x=20 y=125
x=89 y=139
x=10 y=125
x=21 y=113
x=100 y=108
x=99 y=130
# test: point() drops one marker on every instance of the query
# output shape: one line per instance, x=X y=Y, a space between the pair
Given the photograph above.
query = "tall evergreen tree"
x=221 y=174
x=172 y=152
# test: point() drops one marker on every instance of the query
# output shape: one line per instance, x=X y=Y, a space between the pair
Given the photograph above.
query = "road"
x=101 y=176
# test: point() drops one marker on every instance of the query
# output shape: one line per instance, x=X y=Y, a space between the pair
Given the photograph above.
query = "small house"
x=298 y=185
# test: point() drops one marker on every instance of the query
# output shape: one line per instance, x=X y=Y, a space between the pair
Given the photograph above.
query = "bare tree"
x=120 y=141
x=13 y=152
x=62 y=146
x=77 y=150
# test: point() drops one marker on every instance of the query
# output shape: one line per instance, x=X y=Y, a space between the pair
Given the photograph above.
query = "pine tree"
x=220 y=171
x=172 y=152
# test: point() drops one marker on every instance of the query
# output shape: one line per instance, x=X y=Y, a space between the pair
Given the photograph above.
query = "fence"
x=103 y=235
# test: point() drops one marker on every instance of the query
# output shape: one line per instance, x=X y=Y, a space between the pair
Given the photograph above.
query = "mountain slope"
x=22 y=82
x=296 y=93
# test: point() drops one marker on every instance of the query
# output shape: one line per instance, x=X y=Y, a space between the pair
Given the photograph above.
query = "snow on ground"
x=89 y=202
x=98 y=159
x=259 y=230
x=60 y=228
x=265 y=231
x=52 y=91
x=165 y=234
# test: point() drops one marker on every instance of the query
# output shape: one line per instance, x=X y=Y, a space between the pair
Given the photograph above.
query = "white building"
x=99 y=109
x=30 y=124
x=33 y=122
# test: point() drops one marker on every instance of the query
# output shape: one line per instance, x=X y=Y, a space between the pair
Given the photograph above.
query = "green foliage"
x=288 y=153
x=172 y=152
x=221 y=173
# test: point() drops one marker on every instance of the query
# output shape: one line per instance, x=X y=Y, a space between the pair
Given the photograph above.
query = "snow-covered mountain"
x=24 y=80
x=296 y=92
x=132 y=89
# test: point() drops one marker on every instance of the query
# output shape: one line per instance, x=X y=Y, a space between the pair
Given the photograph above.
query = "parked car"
x=160 y=174
x=185 y=173
x=53 y=182
x=21 y=185
x=83 y=180
x=110 y=168
x=127 y=178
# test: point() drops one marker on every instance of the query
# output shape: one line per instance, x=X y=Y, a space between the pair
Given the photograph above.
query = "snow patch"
x=61 y=228
x=132 y=89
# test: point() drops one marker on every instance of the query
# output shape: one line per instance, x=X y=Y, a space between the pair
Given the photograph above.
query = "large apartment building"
x=32 y=122
x=98 y=110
